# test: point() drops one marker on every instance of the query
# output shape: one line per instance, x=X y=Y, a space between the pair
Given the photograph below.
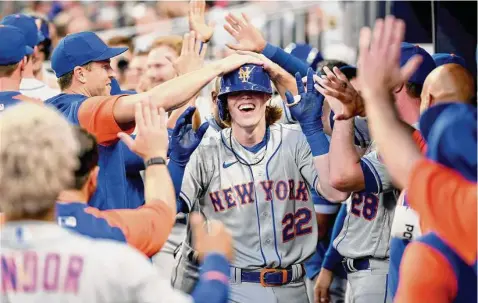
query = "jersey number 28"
x=295 y=225
x=369 y=203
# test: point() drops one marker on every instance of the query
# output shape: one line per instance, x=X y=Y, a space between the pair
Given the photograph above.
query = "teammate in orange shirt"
x=147 y=227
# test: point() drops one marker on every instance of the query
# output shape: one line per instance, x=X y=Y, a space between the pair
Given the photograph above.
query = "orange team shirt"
x=146 y=228
x=446 y=202
x=96 y=115
x=425 y=276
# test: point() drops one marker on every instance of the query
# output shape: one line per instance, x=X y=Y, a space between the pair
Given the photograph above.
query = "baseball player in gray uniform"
x=365 y=236
x=255 y=178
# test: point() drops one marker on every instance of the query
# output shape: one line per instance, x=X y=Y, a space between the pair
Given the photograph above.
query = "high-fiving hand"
x=197 y=20
x=379 y=58
x=307 y=106
x=342 y=97
x=152 y=138
x=248 y=37
x=192 y=55
x=184 y=139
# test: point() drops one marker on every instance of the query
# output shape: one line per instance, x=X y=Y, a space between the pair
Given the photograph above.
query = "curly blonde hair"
x=38 y=157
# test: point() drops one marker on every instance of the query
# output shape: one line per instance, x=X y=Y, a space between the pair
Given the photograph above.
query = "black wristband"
x=155 y=161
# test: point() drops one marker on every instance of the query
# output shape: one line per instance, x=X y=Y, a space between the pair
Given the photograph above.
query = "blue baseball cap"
x=14 y=48
x=79 y=49
x=451 y=135
x=427 y=65
x=44 y=27
x=27 y=25
x=445 y=58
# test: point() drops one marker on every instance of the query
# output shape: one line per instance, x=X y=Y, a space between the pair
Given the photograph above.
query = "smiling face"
x=160 y=65
x=98 y=78
x=247 y=109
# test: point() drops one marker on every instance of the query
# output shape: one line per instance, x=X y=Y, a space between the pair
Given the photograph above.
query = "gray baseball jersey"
x=366 y=229
x=43 y=262
x=265 y=205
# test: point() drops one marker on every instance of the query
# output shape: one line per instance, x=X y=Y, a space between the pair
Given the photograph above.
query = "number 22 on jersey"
x=364 y=205
x=295 y=225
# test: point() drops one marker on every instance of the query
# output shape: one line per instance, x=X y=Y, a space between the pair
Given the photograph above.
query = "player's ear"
x=79 y=74
x=214 y=97
x=23 y=63
x=92 y=180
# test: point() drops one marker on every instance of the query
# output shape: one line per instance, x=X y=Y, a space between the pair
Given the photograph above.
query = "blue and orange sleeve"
x=96 y=115
x=425 y=276
x=446 y=203
x=146 y=228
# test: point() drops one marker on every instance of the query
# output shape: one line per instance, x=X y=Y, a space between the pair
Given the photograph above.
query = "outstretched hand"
x=342 y=97
x=379 y=58
x=192 y=55
x=248 y=37
x=184 y=139
x=306 y=107
x=152 y=138
x=197 y=20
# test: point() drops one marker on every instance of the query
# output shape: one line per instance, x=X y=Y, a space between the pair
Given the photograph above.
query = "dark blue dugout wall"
x=449 y=25
x=455 y=30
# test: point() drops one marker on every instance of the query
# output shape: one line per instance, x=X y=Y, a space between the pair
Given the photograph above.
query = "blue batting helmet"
x=249 y=77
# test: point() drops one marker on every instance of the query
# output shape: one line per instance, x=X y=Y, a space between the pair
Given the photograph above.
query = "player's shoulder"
x=63 y=101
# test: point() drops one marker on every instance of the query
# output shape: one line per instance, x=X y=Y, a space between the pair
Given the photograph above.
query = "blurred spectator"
x=160 y=59
x=120 y=64
x=136 y=69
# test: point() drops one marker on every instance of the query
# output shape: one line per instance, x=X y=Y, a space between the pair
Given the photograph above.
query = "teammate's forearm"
x=344 y=161
x=288 y=62
x=213 y=285
x=333 y=195
x=170 y=95
x=158 y=186
x=395 y=144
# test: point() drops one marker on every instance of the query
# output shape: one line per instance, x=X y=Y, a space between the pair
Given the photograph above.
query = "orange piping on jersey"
x=425 y=276
x=146 y=228
x=446 y=202
x=96 y=116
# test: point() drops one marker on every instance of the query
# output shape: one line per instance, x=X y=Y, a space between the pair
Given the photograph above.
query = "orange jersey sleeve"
x=146 y=228
x=420 y=141
x=446 y=202
x=96 y=116
x=425 y=276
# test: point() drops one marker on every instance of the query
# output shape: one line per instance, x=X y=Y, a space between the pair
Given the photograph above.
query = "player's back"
x=42 y=262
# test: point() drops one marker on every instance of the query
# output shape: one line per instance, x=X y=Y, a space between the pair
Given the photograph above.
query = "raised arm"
x=176 y=92
x=151 y=143
x=191 y=59
x=249 y=38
